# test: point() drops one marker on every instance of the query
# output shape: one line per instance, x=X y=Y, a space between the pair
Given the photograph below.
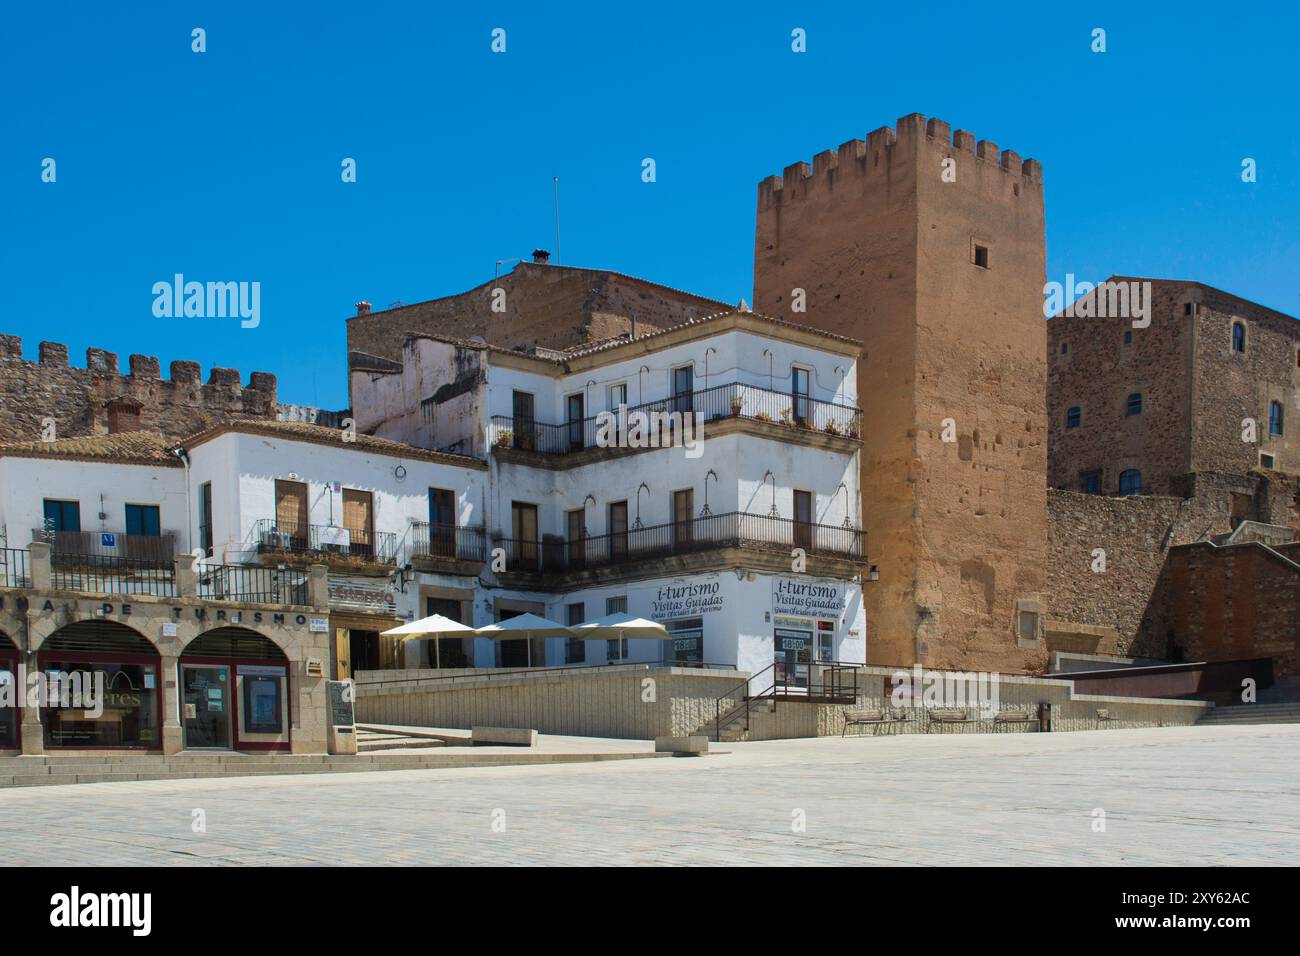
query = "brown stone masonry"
x=98 y=398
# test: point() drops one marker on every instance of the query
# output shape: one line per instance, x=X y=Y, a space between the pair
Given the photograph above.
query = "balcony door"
x=617 y=530
x=683 y=515
x=291 y=514
x=574 y=413
x=524 y=425
x=576 y=538
x=442 y=523
x=683 y=388
x=359 y=519
x=799 y=402
x=523 y=532
x=803 y=523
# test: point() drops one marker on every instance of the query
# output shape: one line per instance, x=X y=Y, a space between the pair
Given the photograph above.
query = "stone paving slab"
x=1171 y=797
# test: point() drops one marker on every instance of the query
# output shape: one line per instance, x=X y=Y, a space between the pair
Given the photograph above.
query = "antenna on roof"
x=556 y=179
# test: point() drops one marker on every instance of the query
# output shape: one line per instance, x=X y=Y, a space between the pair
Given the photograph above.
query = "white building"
x=742 y=537
x=705 y=476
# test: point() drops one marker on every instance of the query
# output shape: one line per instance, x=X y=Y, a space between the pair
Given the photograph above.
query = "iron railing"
x=811 y=681
x=506 y=672
x=13 y=568
x=109 y=574
x=781 y=409
x=458 y=542
x=155 y=550
x=734 y=529
x=235 y=582
x=360 y=544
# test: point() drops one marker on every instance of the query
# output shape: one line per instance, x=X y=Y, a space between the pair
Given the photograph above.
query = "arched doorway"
x=11 y=695
x=234 y=692
x=110 y=693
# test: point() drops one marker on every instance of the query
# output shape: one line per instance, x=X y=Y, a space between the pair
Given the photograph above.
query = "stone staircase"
x=1281 y=713
x=372 y=740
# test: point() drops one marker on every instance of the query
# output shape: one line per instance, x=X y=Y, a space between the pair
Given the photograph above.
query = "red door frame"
x=234 y=663
x=11 y=658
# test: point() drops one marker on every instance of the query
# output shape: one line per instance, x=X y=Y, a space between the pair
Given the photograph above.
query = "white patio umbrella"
x=525 y=626
x=434 y=626
x=618 y=625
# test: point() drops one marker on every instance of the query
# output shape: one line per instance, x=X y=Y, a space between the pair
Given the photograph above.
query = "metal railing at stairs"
x=817 y=682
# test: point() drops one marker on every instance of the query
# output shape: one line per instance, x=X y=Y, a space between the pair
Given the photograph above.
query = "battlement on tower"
x=79 y=399
x=888 y=146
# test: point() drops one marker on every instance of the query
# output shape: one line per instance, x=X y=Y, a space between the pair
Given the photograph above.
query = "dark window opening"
x=1091 y=482
x=982 y=256
x=1238 y=337
x=1134 y=404
x=1073 y=416
x=1130 y=482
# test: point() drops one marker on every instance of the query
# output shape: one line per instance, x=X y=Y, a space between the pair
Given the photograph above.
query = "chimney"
x=363 y=308
x=541 y=257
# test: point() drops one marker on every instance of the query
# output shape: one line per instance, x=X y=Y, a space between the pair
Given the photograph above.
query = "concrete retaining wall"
x=641 y=702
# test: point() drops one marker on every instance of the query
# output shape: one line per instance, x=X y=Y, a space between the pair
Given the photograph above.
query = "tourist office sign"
x=686 y=599
x=125 y=609
x=798 y=597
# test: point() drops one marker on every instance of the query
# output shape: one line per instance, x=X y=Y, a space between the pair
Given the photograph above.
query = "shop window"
x=1130 y=482
x=1073 y=416
x=1275 y=418
x=103 y=681
x=686 y=637
x=263 y=702
x=1134 y=405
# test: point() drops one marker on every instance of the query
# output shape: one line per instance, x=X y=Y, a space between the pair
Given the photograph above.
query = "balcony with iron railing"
x=772 y=410
x=103 y=549
x=772 y=535
x=332 y=544
x=446 y=544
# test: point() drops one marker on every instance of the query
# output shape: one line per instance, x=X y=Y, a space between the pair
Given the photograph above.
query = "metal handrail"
x=747 y=700
x=705 y=533
x=516 y=672
x=379 y=547
x=732 y=400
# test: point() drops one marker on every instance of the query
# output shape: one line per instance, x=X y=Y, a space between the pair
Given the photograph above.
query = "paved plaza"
x=1175 y=796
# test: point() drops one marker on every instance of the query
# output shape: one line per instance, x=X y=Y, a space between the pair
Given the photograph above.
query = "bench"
x=1004 y=718
x=947 y=717
x=1104 y=716
x=876 y=719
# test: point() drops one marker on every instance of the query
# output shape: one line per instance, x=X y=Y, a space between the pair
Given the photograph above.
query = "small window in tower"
x=1073 y=416
x=1091 y=482
x=1265 y=461
x=1128 y=337
x=982 y=256
x=1189 y=309
x=1238 y=337
x=1028 y=625
x=1134 y=404
x=1275 y=418
x=1130 y=482
x=1065 y=348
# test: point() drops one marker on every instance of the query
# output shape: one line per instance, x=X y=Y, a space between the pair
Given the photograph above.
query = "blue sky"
x=225 y=165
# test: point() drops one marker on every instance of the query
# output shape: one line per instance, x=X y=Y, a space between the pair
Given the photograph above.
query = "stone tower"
x=930 y=248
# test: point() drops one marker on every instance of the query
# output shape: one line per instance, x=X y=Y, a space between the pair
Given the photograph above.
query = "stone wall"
x=549 y=306
x=610 y=701
x=1238 y=601
x=78 y=398
x=1137 y=534
x=1196 y=389
x=884 y=249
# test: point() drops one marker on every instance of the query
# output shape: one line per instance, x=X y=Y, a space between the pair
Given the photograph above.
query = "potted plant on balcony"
x=504 y=438
x=737 y=403
x=787 y=417
x=762 y=417
x=854 y=431
x=831 y=428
